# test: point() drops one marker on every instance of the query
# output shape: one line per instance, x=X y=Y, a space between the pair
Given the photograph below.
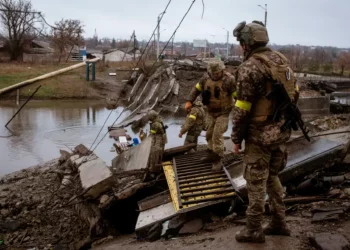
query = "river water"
x=42 y=128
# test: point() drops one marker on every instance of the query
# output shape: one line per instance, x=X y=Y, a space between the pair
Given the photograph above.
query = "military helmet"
x=198 y=103
x=251 y=34
x=152 y=115
x=215 y=67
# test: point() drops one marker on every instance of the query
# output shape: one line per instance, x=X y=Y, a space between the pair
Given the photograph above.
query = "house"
x=123 y=54
x=38 y=51
x=4 y=55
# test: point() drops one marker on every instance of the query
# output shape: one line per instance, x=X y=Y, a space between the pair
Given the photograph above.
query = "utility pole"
x=227 y=39
x=265 y=12
x=172 y=47
x=158 y=36
x=134 y=46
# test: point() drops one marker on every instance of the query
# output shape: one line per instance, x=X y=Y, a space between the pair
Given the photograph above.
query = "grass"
x=71 y=84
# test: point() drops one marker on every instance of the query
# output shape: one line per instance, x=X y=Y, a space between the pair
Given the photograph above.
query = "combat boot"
x=247 y=235
x=271 y=229
x=209 y=156
x=217 y=165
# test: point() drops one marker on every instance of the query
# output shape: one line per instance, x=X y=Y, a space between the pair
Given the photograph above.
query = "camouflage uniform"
x=194 y=124
x=218 y=109
x=265 y=145
x=159 y=140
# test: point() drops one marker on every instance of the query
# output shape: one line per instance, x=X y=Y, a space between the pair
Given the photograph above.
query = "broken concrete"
x=136 y=158
x=191 y=227
x=328 y=241
x=96 y=178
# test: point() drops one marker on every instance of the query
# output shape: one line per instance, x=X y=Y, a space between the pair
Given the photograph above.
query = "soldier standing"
x=217 y=89
x=265 y=143
x=194 y=124
x=159 y=139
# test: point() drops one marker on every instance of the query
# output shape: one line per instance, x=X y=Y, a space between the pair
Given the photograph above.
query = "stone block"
x=95 y=177
x=328 y=241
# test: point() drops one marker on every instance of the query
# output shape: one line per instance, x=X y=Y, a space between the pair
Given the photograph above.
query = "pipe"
x=45 y=76
x=334 y=180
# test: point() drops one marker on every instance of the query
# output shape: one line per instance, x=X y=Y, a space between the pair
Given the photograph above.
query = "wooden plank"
x=154 y=201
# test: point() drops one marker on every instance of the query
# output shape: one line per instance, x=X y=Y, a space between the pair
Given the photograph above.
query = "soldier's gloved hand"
x=180 y=135
x=188 y=106
x=237 y=149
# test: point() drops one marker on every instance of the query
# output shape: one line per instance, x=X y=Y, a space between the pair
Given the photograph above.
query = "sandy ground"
x=223 y=238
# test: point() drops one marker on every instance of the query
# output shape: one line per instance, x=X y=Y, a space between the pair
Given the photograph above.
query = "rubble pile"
x=330 y=122
x=33 y=210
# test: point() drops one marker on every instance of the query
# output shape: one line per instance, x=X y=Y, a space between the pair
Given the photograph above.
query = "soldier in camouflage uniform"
x=217 y=88
x=194 y=124
x=265 y=144
x=159 y=139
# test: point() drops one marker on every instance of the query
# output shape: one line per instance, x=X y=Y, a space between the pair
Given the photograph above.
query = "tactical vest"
x=273 y=72
x=224 y=100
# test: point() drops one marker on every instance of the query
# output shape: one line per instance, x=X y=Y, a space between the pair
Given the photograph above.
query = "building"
x=38 y=51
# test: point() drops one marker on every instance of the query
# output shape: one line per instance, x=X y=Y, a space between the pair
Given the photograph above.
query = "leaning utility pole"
x=227 y=39
x=134 y=45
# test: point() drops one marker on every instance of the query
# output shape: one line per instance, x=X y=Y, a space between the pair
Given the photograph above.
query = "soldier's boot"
x=251 y=235
x=209 y=156
x=217 y=165
x=276 y=229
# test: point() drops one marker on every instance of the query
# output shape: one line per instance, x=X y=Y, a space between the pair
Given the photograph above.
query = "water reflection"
x=42 y=128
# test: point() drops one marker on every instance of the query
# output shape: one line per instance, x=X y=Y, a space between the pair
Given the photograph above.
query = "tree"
x=343 y=61
x=65 y=35
x=18 y=20
x=114 y=43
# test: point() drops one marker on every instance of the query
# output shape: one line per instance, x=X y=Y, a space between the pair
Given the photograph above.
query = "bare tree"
x=343 y=61
x=66 y=35
x=18 y=20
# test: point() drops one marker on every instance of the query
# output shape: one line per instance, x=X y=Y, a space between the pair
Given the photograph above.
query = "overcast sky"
x=306 y=22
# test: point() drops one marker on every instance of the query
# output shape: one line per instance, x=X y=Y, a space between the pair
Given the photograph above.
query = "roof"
x=42 y=44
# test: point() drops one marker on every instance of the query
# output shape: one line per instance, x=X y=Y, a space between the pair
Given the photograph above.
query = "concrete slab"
x=154 y=215
x=328 y=241
x=95 y=177
x=136 y=158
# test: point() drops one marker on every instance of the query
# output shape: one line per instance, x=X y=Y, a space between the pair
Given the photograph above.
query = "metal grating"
x=192 y=183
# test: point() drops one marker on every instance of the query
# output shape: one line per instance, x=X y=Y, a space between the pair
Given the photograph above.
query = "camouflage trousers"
x=262 y=165
x=215 y=133
x=192 y=137
x=156 y=154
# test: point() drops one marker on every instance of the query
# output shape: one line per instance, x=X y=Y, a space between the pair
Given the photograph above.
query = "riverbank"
x=69 y=85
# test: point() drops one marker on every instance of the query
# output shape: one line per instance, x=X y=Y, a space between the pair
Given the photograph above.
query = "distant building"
x=38 y=51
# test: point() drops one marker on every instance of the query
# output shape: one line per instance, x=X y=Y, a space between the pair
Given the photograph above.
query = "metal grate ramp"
x=193 y=184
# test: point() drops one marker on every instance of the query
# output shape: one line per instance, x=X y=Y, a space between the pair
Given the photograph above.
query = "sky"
x=305 y=22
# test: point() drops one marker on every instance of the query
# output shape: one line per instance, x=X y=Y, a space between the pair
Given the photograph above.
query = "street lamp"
x=226 y=42
x=265 y=12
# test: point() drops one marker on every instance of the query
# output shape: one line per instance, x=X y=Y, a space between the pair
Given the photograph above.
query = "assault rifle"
x=286 y=109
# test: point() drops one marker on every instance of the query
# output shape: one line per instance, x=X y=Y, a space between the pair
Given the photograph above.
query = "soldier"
x=265 y=143
x=217 y=89
x=194 y=124
x=158 y=132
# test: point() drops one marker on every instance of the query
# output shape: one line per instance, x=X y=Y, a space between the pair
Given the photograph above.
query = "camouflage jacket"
x=251 y=86
x=194 y=121
x=229 y=86
x=156 y=126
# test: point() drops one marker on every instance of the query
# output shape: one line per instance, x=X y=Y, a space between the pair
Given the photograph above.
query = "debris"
x=64 y=156
x=328 y=241
x=307 y=199
x=154 y=201
x=327 y=216
x=155 y=232
x=154 y=215
x=176 y=223
x=192 y=227
x=81 y=150
x=230 y=217
x=131 y=159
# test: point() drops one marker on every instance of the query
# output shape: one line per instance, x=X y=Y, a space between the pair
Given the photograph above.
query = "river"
x=42 y=128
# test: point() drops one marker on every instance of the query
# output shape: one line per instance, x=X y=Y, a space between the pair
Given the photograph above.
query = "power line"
x=178 y=26
x=129 y=79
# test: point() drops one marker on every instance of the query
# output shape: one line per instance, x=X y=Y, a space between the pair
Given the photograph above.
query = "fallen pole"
x=33 y=80
x=30 y=97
